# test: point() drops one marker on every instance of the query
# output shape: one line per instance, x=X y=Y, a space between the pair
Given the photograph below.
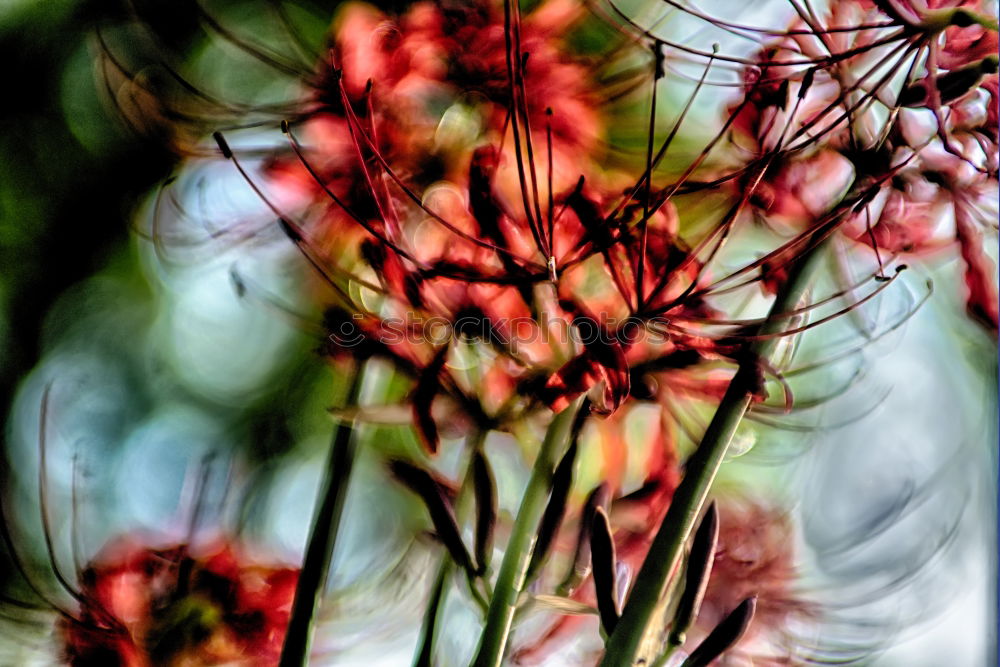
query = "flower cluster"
x=838 y=109
x=176 y=606
x=453 y=164
x=496 y=212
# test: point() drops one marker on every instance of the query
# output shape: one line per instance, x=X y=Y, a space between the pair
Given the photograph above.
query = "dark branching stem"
x=700 y=471
x=322 y=539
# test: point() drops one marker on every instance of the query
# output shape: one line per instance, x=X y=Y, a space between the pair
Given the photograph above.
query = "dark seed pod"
x=724 y=636
x=951 y=85
x=807 y=82
x=913 y=95
x=438 y=506
x=699 y=569
x=580 y=566
x=602 y=554
x=781 y=96
x=486 y=510
x=548 y=527
x=423 y=397
x=962 y=18
x=892 y=11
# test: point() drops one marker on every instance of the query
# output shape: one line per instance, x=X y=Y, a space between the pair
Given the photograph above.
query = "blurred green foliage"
x=70 y=172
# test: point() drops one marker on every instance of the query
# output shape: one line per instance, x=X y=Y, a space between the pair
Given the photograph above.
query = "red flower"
x=177 y=605
x=819 y=155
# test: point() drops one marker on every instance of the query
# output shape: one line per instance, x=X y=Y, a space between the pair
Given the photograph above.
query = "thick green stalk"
x=700 y=471
x=510 y=579
x=322 y=539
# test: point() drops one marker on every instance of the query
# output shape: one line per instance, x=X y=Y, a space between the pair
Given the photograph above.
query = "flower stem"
x=510 y=579
x=700 y=470
x=322 y=539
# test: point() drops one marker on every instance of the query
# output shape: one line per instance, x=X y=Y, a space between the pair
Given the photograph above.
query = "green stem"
x=322 y=539
x=510 y=578
x=700 y=471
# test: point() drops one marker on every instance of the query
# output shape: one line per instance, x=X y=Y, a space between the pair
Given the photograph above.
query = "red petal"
x=981 y=300
x=602 y=359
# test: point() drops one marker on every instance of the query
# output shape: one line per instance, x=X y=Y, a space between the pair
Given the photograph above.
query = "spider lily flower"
x=527 y=355
x=914 y=219
x=184 y=593
x=819 y=156
x=420 y=91
x=434 y=54
x=144 y=600
x=940 y=201
x=484 y=234
x=966 y=24
x=445 y=169
x=175 y=605
x=499 y=248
